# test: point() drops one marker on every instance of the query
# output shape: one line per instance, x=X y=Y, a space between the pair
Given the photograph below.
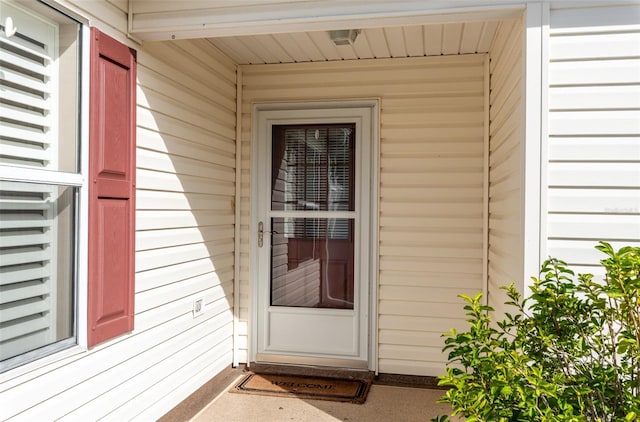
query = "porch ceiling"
x=394 y=41
x=289 y=31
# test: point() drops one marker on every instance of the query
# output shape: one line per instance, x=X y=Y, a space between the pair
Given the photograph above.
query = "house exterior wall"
x=506 y=173
x=430 y=190
x=184 y=248
x=593 y=142
x=431 y=195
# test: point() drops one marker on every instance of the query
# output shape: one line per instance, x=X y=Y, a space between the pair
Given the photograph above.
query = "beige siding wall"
x=185 y=190
x=431 y=189
x=593 y=166
x=506 y=133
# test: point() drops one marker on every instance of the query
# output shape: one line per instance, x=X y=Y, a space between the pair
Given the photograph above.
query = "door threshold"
x=311 y=370
x=297 y=360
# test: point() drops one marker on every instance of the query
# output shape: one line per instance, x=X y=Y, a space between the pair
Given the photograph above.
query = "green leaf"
x=624 y=345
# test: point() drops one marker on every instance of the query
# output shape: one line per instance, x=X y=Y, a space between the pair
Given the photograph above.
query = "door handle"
x=261 y=232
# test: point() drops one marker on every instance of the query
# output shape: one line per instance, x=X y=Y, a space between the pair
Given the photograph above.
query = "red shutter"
x=112 y=146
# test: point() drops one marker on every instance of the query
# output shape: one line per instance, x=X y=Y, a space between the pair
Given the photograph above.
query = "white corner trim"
x=486 y=180
x=237 y=217
x=531 y=159
x=544 y=134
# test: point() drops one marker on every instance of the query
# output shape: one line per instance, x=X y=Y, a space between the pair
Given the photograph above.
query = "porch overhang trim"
x=207 y=23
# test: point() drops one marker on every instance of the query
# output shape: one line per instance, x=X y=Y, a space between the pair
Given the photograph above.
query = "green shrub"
x=569 y=352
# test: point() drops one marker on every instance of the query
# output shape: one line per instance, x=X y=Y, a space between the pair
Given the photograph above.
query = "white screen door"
x=312 y=236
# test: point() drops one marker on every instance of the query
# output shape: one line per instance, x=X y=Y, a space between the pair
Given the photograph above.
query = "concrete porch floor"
x=384 y=403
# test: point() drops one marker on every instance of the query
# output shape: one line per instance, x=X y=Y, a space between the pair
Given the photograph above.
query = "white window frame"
x=46 y=355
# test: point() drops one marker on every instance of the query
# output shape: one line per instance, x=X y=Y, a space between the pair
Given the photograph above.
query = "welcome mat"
x=304 y=387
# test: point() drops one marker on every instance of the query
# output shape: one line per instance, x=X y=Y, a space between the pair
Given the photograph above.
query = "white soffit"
x=165 y=19
x=399 y=41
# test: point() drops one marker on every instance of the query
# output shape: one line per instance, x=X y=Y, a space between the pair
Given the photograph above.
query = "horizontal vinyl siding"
x=109 y=15
x=593 y=168
x=185 y=191
x=431 y=173
x=505 y=159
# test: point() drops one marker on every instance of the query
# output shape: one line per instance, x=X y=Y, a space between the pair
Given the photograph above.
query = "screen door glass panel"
x=312 y=259
x=313 y=168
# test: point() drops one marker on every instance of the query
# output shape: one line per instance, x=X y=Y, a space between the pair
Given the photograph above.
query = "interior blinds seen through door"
x=313 y=170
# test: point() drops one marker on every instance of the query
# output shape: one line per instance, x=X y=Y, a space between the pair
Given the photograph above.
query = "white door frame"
x=265 y=115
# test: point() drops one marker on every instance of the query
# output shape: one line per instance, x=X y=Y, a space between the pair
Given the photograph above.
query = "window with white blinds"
x=39 y=107
x=313 y=170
